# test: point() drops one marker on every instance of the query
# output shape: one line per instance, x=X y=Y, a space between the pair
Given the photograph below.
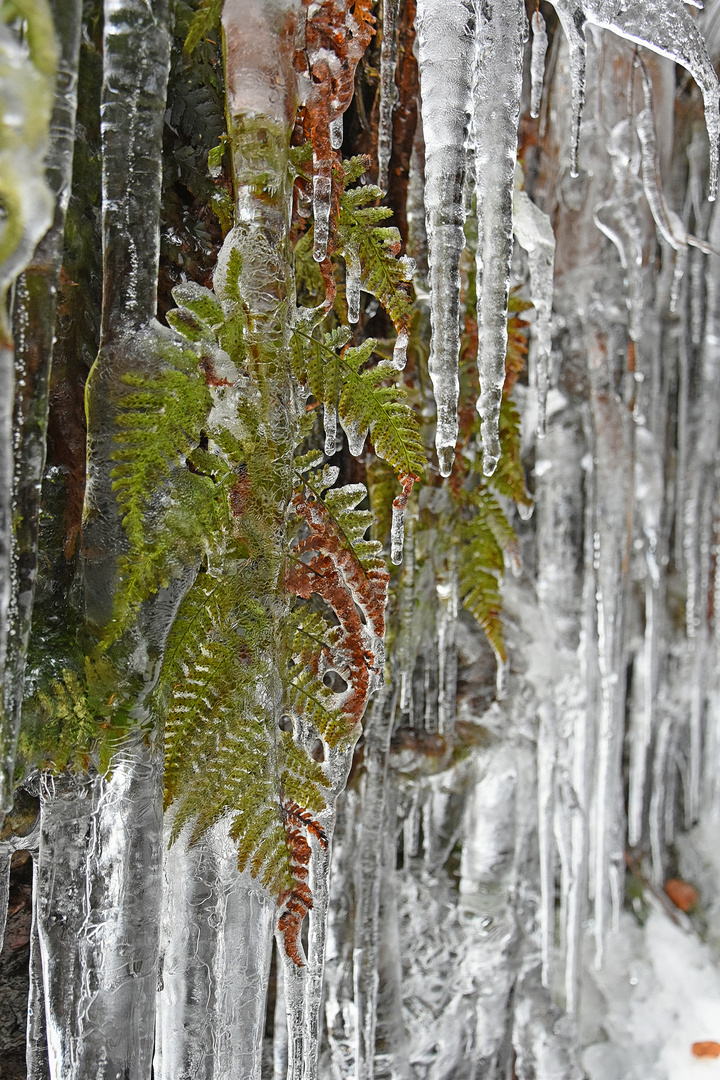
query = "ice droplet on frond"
x=445 y=56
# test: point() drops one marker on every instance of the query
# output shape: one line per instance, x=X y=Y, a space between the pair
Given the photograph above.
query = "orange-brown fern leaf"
x=297 y=901
x=357 y=594
x=336 y=36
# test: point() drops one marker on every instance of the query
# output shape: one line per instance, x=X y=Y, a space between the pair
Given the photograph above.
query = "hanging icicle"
x=534 y=233
x=495 y=127
x=537 y=61
x=445 y=56
x=388 y=90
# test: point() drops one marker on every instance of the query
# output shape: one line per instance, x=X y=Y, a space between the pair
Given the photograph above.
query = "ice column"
x=98 y=918
x=136 y=55
x=664 y=26
x=216 y=942
x=535 y=235
x=27 y=70
x=368 y=880
x=33 y=331
x=388 y=90
x=537 y=61
x=445 y=54
x=495 y=126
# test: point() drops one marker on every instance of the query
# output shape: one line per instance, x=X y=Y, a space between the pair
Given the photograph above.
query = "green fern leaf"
x=383 y=274
x=206 y=19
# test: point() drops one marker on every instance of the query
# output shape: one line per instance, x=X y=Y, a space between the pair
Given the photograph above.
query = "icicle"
x=5 y=860
x=36 y=1035
x=546 y=755
x=98 y=916
x=611 y=499
x=534 y=233
x=322 y=186
x=537 y=61
x=406 y=651
x=397 y=531
x=445 y=56
x=217 y=931
x=330 y=425
x=352 y=283
x=570 y=14
x=670 y=30
x=495 y=121
x=667 y=29
x=336 y=133
x=367 y=881
x=669 y=225
x=355 y=437
x=446 y=591
x=27 y=70
x=619 y=218
x=34 y=334
x=388 y=90
x=280 y=1026
x=399 y=357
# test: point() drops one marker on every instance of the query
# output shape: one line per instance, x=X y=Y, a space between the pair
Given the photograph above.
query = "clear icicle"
x=445 y=55
x=26 y=84
x=352 y=283
x=36 y=1048
x=572 y=19
x=619 y=217
x=668 y=224
x=34 y=330
x=355 y=438
x=322 y=187
x=537 y=61
x=280 y=1026
x=397 y=533
x=535 y=234
x=666 y=28
x=388 y=90
x=217 y=940
x=98 y=917
x=446 y=591
x=495 y=123
x=546 y=755
x=397 y=530
x=368 y=880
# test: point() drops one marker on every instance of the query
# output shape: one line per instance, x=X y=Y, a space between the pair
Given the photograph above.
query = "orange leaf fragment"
x=683 y=895
x=706 y=1049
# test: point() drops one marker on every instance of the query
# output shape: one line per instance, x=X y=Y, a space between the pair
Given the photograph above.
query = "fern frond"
x=364 y=403
x=206 y=18
x=509 y=476
x=383 y=274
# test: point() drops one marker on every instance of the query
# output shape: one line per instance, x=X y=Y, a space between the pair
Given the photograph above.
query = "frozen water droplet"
x=399 y=357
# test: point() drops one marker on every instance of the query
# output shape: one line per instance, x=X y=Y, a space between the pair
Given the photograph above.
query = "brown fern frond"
x=297 y=901
x=326 y=567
